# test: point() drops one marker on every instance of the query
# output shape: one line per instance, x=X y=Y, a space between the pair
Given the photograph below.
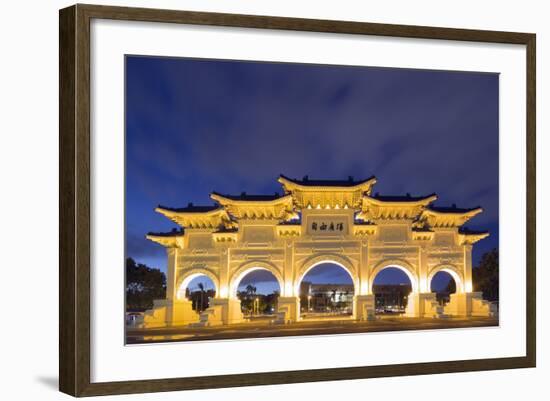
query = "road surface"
x=263 y=328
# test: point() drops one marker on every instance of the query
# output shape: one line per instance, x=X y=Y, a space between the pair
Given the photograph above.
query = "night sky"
x=194 y=126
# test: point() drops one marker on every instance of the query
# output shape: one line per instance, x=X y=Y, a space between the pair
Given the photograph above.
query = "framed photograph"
x=250 y=200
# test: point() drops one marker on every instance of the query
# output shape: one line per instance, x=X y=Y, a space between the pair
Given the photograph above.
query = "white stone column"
x=289 y=271
x=171 y=273
x=222 y=311
x=288 y=309
x=182 y=313
x=225 y=263
x=288 y=304
x=179 y=312
x=364 y=307
x=364 y=273
x=171 y=311
x=460 y=304
x=467 y=261
x=424 y=285
x=225 y=308
x=469 y=303
x=422 y=303
x=413 y=305
x=171 y=280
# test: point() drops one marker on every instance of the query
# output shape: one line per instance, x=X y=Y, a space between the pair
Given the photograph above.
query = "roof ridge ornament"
x=323 y=194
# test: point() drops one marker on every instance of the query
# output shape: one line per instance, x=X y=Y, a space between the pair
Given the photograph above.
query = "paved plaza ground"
x=259 y=327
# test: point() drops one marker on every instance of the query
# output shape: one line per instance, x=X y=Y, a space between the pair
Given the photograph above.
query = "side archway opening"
x=443 y=283
x=391 y=286
x=199 y=288
x=258 y=289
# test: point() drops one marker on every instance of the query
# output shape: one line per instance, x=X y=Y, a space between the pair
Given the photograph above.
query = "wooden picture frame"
x=74 y=203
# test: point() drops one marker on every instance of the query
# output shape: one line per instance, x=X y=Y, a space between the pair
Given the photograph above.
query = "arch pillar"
x=183 y=313
x=364 y=307
x=225 y=256
x=181 y=308
x=171 y=277
x=176 y=309
x=287 y=289
x=224 y=308
x=288 y=304
x=424 y=285
x=288 y=310
x=467 y=255
x=467 y=302
x=364 y=287
x=470 y=304
x=423 y=303
x=222 y=311
x=173 y=310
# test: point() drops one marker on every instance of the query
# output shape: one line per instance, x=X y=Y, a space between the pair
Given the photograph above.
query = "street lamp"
x=309 y=303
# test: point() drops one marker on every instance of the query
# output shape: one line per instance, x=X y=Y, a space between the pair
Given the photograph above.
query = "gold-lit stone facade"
x=314 y=222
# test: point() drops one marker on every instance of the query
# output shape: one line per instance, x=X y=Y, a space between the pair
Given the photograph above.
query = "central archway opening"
x=391 y=288
x=326 y=290
x=443 y=284
x=258 y=291
x=200 y=290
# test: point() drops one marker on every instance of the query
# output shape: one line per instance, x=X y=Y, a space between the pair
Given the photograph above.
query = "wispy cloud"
x=197 y=125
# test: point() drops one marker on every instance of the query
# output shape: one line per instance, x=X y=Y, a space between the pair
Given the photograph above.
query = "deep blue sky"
x=194 y=126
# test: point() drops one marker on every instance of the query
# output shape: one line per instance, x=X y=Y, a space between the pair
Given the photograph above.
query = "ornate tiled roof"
x=256 y=206
x=452 y=209
x=174 y=233
x=190 y=208
x=319 y=194
x=467 y=231
x=306 y=181
x=248 y=197
x=401 y=198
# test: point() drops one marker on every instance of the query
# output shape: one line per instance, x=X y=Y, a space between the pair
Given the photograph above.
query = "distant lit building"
x=326 y=297
x=391 y=297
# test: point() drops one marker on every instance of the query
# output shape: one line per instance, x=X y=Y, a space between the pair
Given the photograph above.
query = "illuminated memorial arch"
x=313 y=222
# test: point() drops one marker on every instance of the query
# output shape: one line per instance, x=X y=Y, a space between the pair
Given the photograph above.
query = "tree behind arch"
x=143 y=285
x=485 y=276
